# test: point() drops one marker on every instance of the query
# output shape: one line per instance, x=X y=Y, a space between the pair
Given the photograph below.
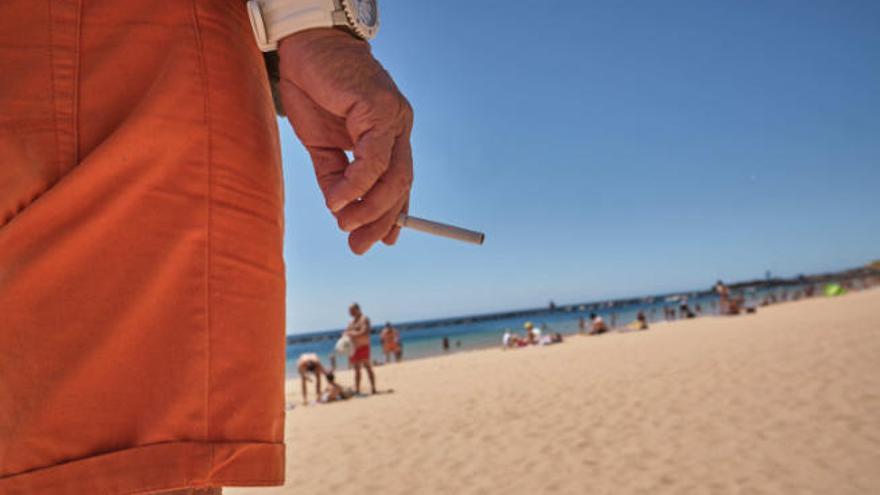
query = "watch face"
x=366 y=12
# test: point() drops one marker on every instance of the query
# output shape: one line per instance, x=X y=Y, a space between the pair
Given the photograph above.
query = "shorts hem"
x=155 y=468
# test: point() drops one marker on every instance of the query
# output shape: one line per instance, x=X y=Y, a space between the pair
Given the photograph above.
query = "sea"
x=468 y=333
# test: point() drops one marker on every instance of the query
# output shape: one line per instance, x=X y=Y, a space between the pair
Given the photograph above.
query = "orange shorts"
x=141 y=270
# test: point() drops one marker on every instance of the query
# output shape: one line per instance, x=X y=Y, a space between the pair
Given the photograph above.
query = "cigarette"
x=440 y=229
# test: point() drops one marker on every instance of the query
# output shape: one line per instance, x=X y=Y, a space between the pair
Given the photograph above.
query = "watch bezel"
x=351 y=13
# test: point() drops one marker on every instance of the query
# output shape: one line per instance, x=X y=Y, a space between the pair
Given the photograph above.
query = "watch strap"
x=272 y=20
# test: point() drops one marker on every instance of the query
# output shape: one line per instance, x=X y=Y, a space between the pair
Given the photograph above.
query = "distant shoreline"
x=848 y=274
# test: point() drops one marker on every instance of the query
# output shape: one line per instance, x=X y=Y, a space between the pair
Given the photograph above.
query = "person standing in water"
x=390 y=338
x=359 y=333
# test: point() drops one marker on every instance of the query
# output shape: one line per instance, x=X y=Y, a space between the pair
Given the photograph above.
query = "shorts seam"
x=203 y=74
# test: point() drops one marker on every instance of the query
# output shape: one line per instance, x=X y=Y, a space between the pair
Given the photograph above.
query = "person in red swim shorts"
x=359 y=333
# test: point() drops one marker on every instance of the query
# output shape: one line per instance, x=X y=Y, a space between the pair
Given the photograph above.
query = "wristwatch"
x=275 y=19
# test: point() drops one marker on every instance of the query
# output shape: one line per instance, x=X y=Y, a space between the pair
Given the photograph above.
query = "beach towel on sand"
x=141 y=272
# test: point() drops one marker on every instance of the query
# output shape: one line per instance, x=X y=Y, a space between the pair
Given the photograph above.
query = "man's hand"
x=338 y=97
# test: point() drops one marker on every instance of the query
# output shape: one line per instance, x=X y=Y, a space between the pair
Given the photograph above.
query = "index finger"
x=372 y=154
x=385 y=193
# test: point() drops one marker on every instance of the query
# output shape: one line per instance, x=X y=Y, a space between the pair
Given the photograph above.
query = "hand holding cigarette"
x=338 y=97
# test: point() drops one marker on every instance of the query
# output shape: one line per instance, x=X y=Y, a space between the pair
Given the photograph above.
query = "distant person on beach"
x=445 y=344
x=309 y=364
x=359 y=333
x=334 y=392
x=390 y=338
x=507 y=339
x=642 y=321
x=512 y=340
x=531 y=333
x=398 y=354
x=582 y=325
x=723 y=298
x=598 y=326
x=550 y=338
x=735 y=305
x=685 y=311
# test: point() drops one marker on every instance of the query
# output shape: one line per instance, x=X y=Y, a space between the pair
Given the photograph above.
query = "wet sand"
x=784 y=401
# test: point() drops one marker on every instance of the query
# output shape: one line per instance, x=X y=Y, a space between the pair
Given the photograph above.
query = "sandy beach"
x=784 y=401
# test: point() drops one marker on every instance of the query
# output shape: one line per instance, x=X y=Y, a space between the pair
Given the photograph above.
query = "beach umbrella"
x=832 y=290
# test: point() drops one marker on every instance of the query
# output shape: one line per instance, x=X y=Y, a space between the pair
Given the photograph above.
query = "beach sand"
x=785 y=401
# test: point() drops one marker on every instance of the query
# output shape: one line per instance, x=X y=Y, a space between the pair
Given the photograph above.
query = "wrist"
x=318 y=48
x=311 y=40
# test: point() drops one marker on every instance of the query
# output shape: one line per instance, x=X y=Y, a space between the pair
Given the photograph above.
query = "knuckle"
x=383 y=102
x=406 y=110
x=369 y=167
x=402 y=182
x=380 y=165
x=390 y=105
x=368 y=214
x=362 y=187
x=360 y=182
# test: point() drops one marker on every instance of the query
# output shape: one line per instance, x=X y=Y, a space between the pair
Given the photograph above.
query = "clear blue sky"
x=609 y=149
